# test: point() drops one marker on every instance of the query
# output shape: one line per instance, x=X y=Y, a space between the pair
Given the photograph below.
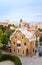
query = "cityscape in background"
x=21 y=23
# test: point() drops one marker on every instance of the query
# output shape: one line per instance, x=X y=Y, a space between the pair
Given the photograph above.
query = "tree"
x=5 y=39
x=40 y=30
x=1 y=34
x=8 y=32
x=3 y=28
x=1 y=37
x=1 y=45
x=37 y=35
x=11 y=25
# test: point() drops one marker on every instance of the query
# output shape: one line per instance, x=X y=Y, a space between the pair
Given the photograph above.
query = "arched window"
x=33 y=49
x=14 y=43
x=25 y=44
x=22 y=37
x=18 y=45
x=15 y=36
x=23 y=51
x=14 y=50
x=18 y=50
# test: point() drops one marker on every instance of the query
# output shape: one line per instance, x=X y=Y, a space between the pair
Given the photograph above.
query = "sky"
x=14 y=10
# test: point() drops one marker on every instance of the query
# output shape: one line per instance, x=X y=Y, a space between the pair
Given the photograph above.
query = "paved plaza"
x=31 y=61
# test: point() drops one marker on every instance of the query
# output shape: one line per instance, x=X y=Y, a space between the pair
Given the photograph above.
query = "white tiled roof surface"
x=28 y=34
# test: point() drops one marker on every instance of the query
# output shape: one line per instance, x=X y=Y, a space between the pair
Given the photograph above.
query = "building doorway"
x=26 y=52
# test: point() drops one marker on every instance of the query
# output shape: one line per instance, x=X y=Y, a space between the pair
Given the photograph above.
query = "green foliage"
x=5 y=39
x=1 y=45
x=3 y=28
x=1 y=34
x=36 y=35
x=8 y=32
x=5 y=33
x=0 y=51
x=40 y=30
x=14 y=59
x=11 y=25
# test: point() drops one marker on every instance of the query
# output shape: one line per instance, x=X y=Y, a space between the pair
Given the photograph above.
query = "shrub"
x=0 y=51
x=14 y=59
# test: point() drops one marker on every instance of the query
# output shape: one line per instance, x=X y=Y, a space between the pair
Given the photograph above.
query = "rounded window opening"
x=22 y=37
x=25 y=44
x=15 y=36
x=18 y=43
x=14 y=43
x=23 y=51
x=14 y=50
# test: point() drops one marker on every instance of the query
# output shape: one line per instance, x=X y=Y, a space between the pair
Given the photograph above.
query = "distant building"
x=21 y=23
x=22 y=42
x=26 y=25
x=39 y=26
x=5 y=23
x=35 y=26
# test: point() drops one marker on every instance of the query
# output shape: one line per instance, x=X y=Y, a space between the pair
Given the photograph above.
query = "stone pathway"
x=7 y=63
x=31 y=61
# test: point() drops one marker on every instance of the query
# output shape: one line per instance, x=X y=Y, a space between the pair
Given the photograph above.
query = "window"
x=15 y=36
x=10 y=50
x=27 y=52
x=23 y=51
x=18 y=45
x=33 y=50
x=24 y=44
x=22 y=37
x=18 y=50
x=14 y=43
x=14 y=50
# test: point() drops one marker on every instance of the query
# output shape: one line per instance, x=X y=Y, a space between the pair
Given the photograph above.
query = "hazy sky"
x=14 y=10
